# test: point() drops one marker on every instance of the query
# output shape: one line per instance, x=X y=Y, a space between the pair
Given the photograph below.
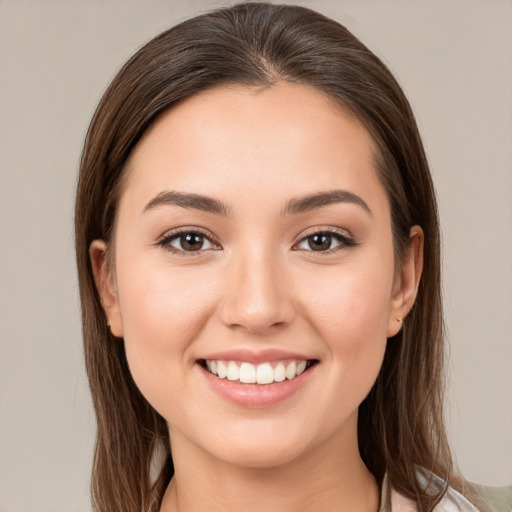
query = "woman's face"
x=253 y=238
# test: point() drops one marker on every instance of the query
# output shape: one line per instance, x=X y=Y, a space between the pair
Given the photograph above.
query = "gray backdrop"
x=454 y=59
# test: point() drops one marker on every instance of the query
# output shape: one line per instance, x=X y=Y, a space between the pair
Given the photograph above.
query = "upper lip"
x=255 y=356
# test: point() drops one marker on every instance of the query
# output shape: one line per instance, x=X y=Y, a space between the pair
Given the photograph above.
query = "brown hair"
x=255 y=44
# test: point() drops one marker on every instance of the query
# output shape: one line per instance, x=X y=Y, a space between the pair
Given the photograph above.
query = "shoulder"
x=496 y=499
x=452 y=501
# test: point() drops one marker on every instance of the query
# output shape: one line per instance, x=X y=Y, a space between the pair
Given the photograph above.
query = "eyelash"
x=166 y=240
x=345 y=241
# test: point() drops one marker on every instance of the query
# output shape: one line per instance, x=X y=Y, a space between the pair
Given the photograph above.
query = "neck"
x=327 y=478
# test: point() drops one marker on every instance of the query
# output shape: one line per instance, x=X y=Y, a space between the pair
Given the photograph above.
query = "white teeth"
x=233 y=371
x=291 y=370
x=247 y=373
x=264 y=373
x=222 y=370
x=279 y=372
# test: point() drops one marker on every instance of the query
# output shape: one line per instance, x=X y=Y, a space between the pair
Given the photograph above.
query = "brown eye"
x=191 y=241
x=320 y=242
x=325 y=241
x=188 y=241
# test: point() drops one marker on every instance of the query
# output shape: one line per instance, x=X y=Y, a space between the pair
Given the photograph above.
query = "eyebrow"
x=194 y=201
x=294 y=206
x=320 y=199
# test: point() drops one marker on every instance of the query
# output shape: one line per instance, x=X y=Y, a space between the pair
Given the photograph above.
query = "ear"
x=407 y=281
x=105 y=284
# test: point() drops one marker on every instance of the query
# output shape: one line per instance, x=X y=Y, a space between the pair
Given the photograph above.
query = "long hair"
x=400 y=426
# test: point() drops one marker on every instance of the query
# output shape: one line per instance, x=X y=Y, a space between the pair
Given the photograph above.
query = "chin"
x=267 y=444
x=254 y=456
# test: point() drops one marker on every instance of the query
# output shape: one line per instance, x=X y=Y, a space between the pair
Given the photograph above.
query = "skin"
x=258 y=285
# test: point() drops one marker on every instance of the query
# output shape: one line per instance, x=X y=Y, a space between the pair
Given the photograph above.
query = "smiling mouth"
x=263 y=373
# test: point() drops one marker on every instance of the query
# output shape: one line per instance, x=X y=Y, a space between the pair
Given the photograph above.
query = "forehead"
x=285 y=138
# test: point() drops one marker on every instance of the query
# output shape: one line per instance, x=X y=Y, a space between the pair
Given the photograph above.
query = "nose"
x=258 y=295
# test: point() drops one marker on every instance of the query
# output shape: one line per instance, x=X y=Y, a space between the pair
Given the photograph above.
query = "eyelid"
x=342 y=235
x=333 y=230
x=164 y=240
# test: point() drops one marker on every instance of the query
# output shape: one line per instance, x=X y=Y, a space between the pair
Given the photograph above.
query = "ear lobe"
x=106 y=286
x=407 y=281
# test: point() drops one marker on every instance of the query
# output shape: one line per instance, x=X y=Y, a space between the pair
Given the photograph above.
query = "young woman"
x=258 y=255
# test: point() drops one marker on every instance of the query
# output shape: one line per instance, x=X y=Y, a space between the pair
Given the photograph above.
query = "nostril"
x=257 y=297
x=257 y=320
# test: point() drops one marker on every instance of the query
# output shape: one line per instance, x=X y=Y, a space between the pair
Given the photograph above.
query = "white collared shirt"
x=453 y=501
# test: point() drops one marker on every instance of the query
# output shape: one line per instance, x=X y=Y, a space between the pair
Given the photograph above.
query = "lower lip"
x=257 y=395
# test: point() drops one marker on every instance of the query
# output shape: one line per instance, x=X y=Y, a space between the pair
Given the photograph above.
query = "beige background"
x=454 y=59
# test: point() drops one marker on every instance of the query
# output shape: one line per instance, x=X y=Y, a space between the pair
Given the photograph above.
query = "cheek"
x=351 y=303
x=349 y=309
x=163 y=311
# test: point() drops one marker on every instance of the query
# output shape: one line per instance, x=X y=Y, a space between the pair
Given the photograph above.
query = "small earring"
x=108 y=323
x=399 y=319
